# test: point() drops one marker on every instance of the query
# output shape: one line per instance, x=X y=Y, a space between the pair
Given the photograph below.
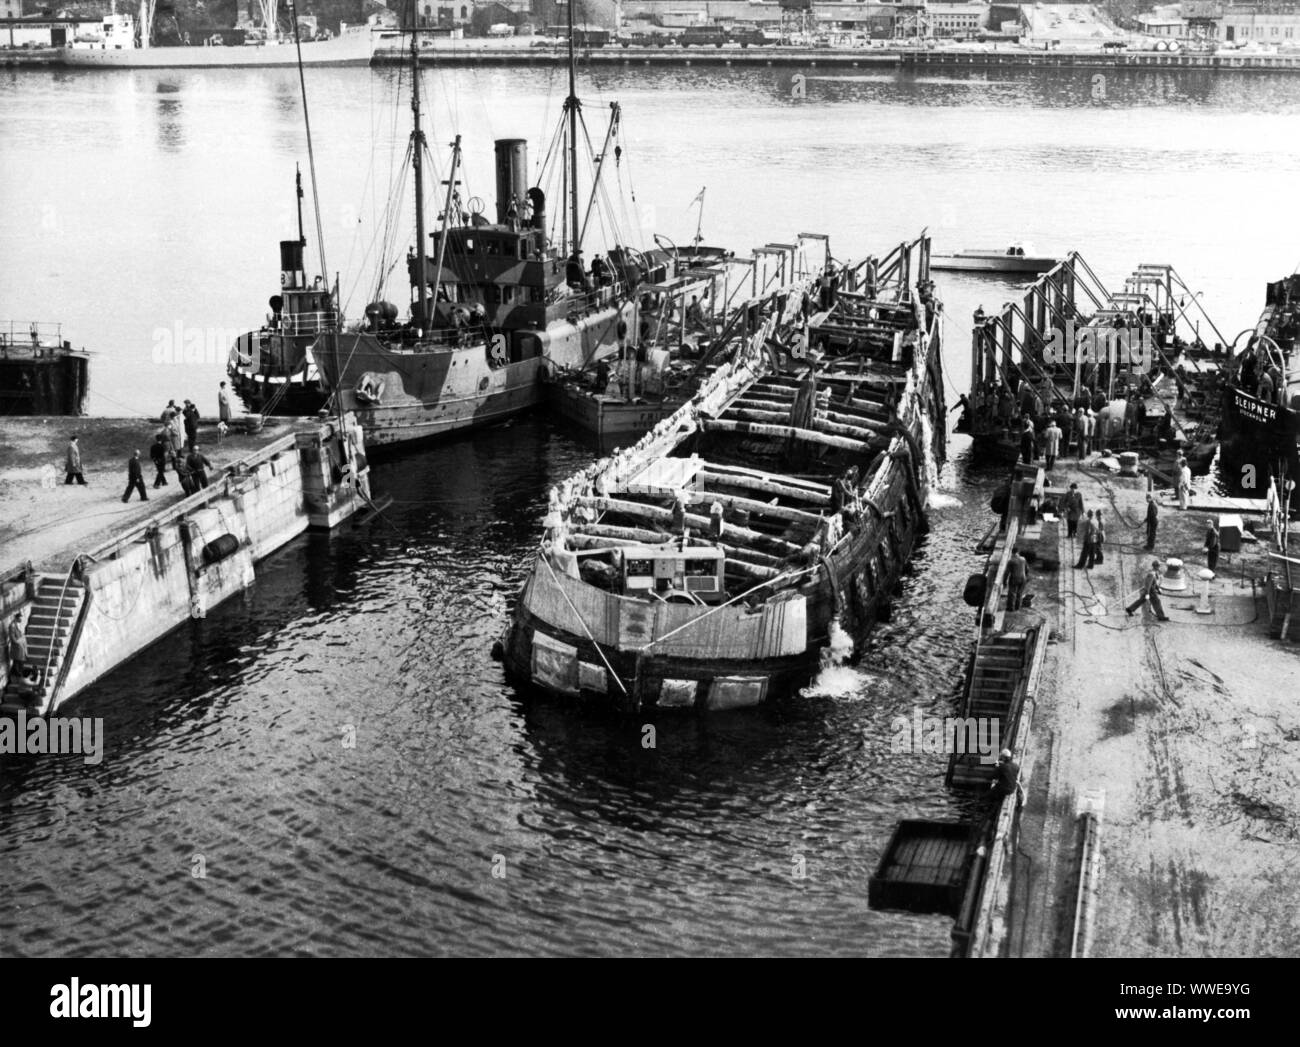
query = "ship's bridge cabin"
x=506 y=275
x=300 y=308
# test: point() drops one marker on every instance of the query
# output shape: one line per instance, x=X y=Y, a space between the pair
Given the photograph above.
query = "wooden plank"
x=665 y=516
x=843 y=443
x=754 y=507
x=767 y=486
x=820 y=420
x=798 y=482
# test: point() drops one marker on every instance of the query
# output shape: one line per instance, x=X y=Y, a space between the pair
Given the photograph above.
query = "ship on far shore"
x=115 y=46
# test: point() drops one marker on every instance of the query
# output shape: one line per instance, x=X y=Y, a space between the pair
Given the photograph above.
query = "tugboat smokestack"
x=291 y=271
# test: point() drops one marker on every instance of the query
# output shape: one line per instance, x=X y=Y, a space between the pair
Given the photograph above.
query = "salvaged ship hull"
x=717 y=563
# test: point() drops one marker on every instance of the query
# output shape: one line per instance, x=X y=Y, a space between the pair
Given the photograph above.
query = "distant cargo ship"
x=351 y=47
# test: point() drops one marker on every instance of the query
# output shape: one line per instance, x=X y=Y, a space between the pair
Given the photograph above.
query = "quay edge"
x=122 y=594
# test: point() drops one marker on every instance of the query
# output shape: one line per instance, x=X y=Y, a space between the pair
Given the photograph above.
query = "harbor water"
x=332 y=763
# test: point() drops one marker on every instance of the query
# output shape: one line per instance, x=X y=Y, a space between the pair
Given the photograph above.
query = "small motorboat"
x=1013 y=260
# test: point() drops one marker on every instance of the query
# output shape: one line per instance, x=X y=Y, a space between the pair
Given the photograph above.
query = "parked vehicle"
x=703 y=35
x=747 y=35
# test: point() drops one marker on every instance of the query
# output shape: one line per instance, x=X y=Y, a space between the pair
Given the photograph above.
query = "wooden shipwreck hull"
x=766 y=521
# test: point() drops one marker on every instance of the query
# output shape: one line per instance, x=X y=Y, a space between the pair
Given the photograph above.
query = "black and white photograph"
x=644 y=479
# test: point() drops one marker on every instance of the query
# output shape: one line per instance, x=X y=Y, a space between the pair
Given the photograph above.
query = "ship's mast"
x=302 y=236
x=417 y=164
x=446 y=213
x=571 y=105
x=315 y=196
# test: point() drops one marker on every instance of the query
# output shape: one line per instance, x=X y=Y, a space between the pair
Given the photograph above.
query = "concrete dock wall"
x=150 y=579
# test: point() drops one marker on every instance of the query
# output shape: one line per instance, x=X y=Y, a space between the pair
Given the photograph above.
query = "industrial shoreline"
x=954 y=58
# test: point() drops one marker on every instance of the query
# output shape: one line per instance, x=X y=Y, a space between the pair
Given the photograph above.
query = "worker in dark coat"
x=17 y=647
x=1150 y=593
x=158 y=452
x=1027 y=442
x=183 y=474
x=1073 y=510
x=1017 y=575
x=1153 y=518
x=198 y=465
x=191 y=423
x=1006 y=779
x=1085 y=544
x=135 y=478
x=1211 y=545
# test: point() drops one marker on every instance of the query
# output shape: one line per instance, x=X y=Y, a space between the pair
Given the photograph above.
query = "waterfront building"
x=959 y=20
x=1272 y=24
x=66 y=31
x=877 y=19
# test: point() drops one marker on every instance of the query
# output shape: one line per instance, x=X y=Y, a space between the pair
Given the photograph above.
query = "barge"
x=40 y=372
x=754 y=534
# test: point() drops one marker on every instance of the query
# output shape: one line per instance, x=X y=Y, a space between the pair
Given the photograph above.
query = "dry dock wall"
x=146 y=582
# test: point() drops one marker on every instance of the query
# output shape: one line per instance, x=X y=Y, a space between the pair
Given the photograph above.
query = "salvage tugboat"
x=1261 y=399
x=272 y=369
x=748 y=538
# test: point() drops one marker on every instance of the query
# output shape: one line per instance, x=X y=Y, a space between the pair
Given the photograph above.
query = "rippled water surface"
x=227 y=742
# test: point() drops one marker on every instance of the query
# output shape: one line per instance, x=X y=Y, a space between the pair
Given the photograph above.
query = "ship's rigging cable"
x=546 y=560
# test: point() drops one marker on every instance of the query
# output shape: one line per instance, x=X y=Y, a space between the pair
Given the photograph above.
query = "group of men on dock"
x=168 y=448
x=189 y=463
x=1089 y=528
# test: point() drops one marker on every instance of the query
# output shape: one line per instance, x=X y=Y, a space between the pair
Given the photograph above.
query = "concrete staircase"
x=994 y=691
x=50 y=628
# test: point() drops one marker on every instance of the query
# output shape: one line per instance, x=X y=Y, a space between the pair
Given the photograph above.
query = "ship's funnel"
x=291 y=274
x=512 y=177
x=538 y=199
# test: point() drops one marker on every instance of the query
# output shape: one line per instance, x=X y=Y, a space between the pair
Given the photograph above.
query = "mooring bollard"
x=1174 y=581
x=1206 y=576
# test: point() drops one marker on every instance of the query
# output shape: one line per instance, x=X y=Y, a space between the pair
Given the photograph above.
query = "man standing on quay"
x=1073 y=510
x=158 y=452
x=1027 y=441
x=223 y=404
x=1017 y=575
x=1085 y=545
x=73 y=463
x=1051 y=443
x=1184 y=483
x=135 y=478
x=1153 y=518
